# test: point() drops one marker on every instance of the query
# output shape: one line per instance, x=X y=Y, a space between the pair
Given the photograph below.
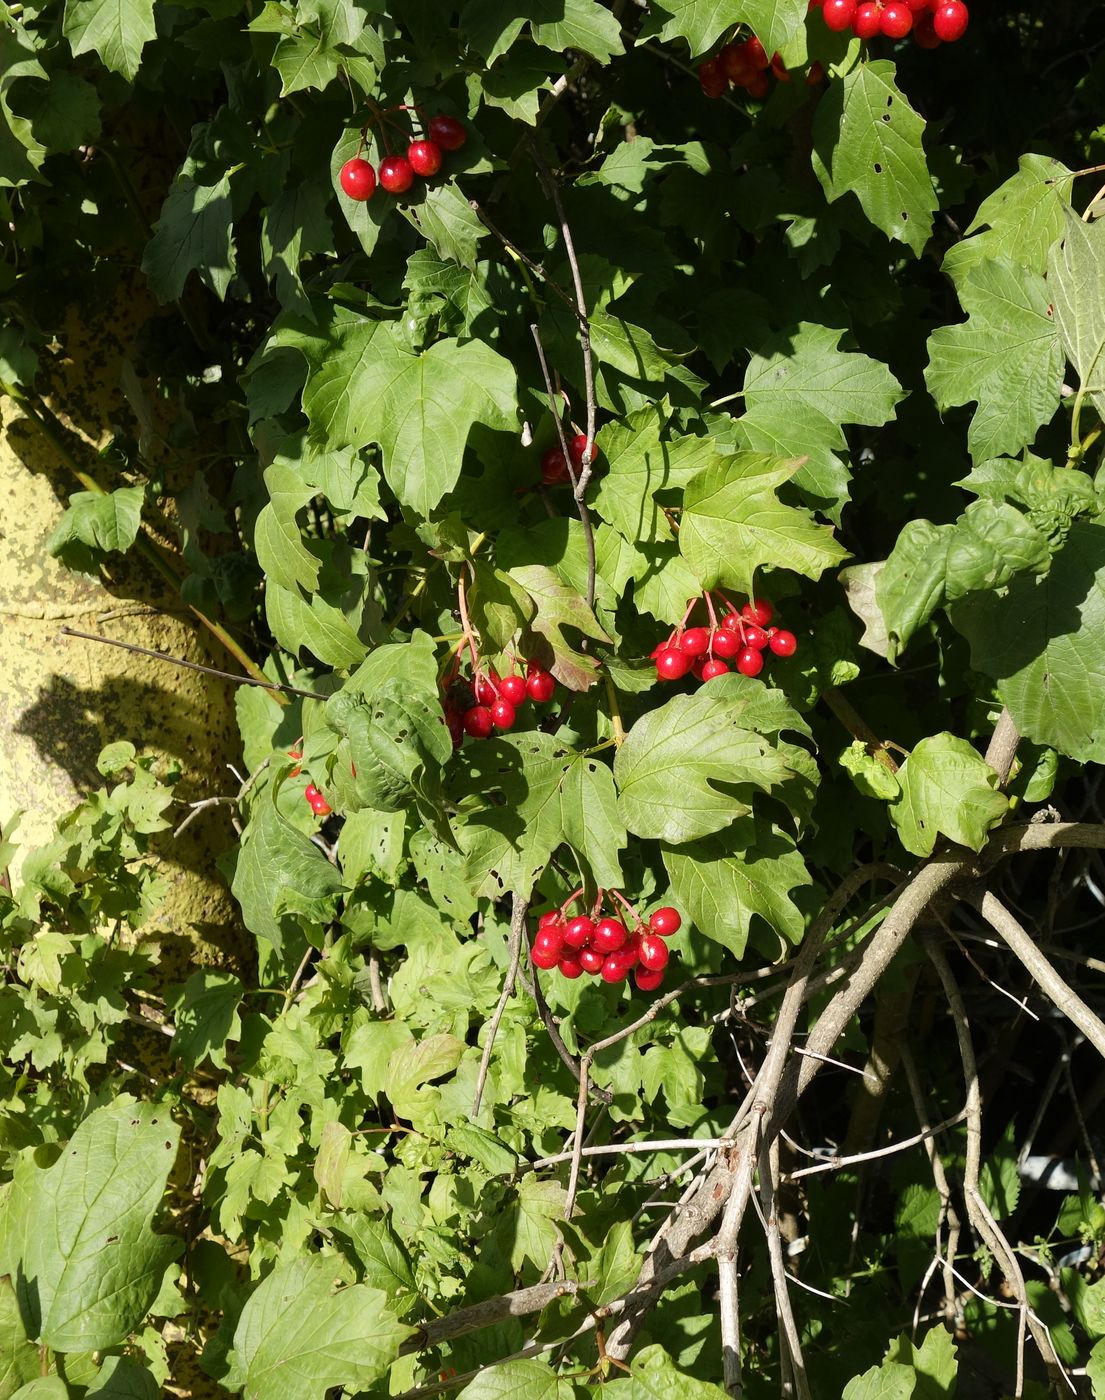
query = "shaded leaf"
x=947 y=788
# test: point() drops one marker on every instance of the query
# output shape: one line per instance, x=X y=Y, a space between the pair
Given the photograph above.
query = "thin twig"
x=548 y=1020
x=790 y=1344
x=244 y=786
x=190 y=665
x=517 y=937
x=1002 y=748
x=834 y=1164
x=620 y=1149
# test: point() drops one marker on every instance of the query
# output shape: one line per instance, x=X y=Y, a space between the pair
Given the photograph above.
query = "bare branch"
x=517 y=937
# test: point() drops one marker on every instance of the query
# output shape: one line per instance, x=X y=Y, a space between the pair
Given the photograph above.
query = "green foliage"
x=321 y=1167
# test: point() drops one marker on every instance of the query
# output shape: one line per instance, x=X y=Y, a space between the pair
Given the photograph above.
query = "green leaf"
x=294 y=226
x=539 y=1211
x=722 y=882
x=413 y=1065
x=122 y=1380
x=1019 y=221
x=276 y=861
x=193 y=234
x=363 y=386
x=890 y=1381
x=528 y=1379
x=206 y=1017
x=397 y=742
x=43 y=1388
x=446 y=219
x=636 y=466
x=297 y=1336
x=314 y=625
x=872 y=778
x=999 y=1181
x=117 y=30
x=1044 y=644
x=690 y=768
x=491 y=26
x=559 y=606
x=1076 y=281
x=656 y=1377
x=18 y=1354
x=520 y=797
x=21 y=153
x=947 y=788
x=1006 y=358
x=91 y=1261
x=935 y=1362
x=499 y=609
x=281 y=553
x=733 y=524
x=96 y=522
x=702 y=22
x=867 y=142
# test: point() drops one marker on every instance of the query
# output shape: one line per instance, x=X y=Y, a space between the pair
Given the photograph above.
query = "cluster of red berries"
x=554 y=465
x=489 y=701
x=424 y=157
x=742 y=637
x=605 y=946
x=746 y=65
x=315 y=800
x=931 y=22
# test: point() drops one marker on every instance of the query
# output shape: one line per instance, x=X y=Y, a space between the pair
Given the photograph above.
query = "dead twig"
x=517 y=937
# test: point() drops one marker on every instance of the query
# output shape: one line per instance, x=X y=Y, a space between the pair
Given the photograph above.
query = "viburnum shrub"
x=640 y=470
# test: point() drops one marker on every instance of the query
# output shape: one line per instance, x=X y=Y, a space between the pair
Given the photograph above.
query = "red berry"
x=838 y=14
x=311 y=793
x=424 y=157
x=570 y=967
x=591 y=960
x=735 y=64
x=696 y=669
x=896 y=20
x=917 y=6
x=714 y=667
x=579 y=932
x=478 y=722
x=513 y=688
x=647 y=981
x=750 y=662
x=321 y=807
x=779 y=68
x=757 y=54
x=924 y=35
x=672 y=664
x=632 y=950
x=865 y=21
x=578 y=446
x=758 y=87
x=755 y=637
x=455 y=725
x=783 y=643
x=712 y=77
x=486 y=689
x=666 y=921
x=540 y=686
x=503 y=714
x=950 y=21
x=544 y=956
x=653 y=952
x=694 y=641
x=554 y=467
x=759 y=611
x=550 y=937
x=615 y=967
x=725 y=643
x=447 y=133
x=358 y=179
x=550 y=916
x=609 y=935
x=396 y=174
x=733 y=621
x=816 y=73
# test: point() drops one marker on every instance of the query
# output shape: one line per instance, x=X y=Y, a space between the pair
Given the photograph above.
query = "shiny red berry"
x=542 y=955
x=477 y=722
x=755 y=637
x=550 y=916
x=570 y=967
x=950 y=21
x=714 y=667
x=609 y=935
x=486 y=689
x=653 y=952
x=447 y=133
x=725 y=643
x=865 y=21
x=666 y=921
x=757 y=54
x=579 y=931
x=321 y=807
x=540 y=686
x=513 y=688
x=896 y=20
x=358 y=179
x=503 y=714
x=838 y=14
x=759 y=611
x=578 y=446
x=554 y=467
x=396 y=174
x=694 y=641
x=750 y=662
x=615 y=967
x=591 y=960
x=783 y=643
x=424 y=157
x=311 y=793
x=672 y=664
x=647 y=981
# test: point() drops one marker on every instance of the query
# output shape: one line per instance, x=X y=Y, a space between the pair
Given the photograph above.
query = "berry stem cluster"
x=931 y=22
x=609 y=945
x=743 y=636
x=397 y=173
